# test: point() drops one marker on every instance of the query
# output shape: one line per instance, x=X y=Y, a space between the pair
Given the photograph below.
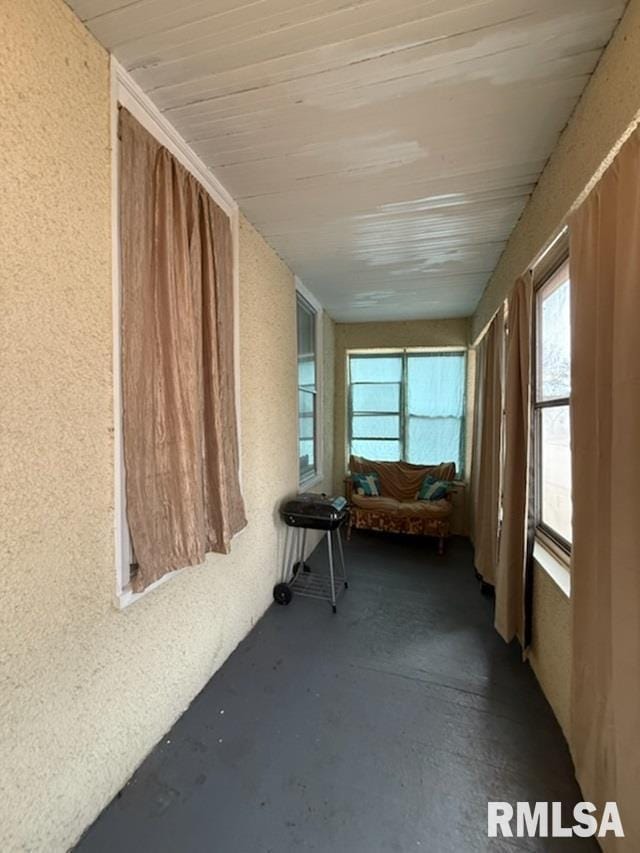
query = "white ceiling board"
x=385 y=149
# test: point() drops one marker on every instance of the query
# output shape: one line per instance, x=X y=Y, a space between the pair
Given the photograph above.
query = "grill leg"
x=302 y=539
x=286 y=556
x=331 y=574
x=341 y=552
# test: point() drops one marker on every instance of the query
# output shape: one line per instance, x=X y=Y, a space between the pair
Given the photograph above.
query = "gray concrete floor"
x=386 y=727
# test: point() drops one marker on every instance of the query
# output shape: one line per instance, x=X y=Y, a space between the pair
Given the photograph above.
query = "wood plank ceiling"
x=385 y=148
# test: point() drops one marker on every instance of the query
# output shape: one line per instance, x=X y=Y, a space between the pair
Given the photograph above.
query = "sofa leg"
x=441 y=545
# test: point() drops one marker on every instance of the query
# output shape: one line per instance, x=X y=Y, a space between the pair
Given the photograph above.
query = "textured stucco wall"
x=86 y=690
x=412 y=333
x=550 y=654
x=608 y=107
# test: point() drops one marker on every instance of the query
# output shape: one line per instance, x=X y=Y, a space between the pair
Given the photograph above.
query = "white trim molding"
x=130 y=95
x=553 y=566
x=126 y=92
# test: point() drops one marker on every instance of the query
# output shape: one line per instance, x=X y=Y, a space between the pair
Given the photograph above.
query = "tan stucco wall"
x=608 y=107
x=550 y=653
x=413 y=333
x=86 y=690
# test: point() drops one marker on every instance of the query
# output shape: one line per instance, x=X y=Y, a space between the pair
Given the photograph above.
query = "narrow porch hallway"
x=385 y=728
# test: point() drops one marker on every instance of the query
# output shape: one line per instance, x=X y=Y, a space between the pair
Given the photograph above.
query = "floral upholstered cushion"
x=432 y=489
x=367 y=485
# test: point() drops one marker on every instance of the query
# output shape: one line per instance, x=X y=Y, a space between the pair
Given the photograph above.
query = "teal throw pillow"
x=432 y=489
x=367 y=485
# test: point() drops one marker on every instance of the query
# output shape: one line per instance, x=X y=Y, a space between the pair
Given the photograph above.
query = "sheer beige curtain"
x=605 y=296
x=510 y=575
x=180 y=432
x=486 y=478
x=476 y=438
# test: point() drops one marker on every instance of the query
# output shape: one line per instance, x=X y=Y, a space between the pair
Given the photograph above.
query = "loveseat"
x=396 y=509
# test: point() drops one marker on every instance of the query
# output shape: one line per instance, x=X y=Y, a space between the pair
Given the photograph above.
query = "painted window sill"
x=126 y=597
x=309 y=484
x=555 y=568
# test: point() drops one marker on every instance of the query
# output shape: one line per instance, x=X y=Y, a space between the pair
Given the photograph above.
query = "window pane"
x=385 y=451
x=307 y=462
x=434 y=440
x=376 y=426
x=306 y=417
x=375 y=398
x=554 y=338
x=436 y=384
x=306 y=345
x=435 y=402
x=306 y=431
x=555 y=486
x=378 y=368
x=307 y=373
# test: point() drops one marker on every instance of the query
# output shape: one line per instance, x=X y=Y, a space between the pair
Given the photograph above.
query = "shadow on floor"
x=386 y=727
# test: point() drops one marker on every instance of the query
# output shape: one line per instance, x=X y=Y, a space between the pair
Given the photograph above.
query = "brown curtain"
x=605 y=417
x=180 y=432
x=486 y=476
x=510 y=574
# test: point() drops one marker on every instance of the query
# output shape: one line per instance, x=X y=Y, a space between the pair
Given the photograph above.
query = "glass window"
x=435 y=408
x=375 y=396
x=554 y=339
x=555 y=470
x=551 y=408
x=409 y=406
x=307 y=390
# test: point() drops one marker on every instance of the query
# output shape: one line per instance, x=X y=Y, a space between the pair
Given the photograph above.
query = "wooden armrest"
x=348 y=487
x=454 y=488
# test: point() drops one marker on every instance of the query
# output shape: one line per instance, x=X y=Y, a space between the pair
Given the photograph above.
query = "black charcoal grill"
x=315 y=512
x=311 y=512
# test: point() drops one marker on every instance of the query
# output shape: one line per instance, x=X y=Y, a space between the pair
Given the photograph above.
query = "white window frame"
x=403 y=352
x=125 y=92
x=318 y=476
x=550 y=538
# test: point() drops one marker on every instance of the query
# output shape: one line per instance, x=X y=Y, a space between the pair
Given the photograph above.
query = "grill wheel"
x=282 y=593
